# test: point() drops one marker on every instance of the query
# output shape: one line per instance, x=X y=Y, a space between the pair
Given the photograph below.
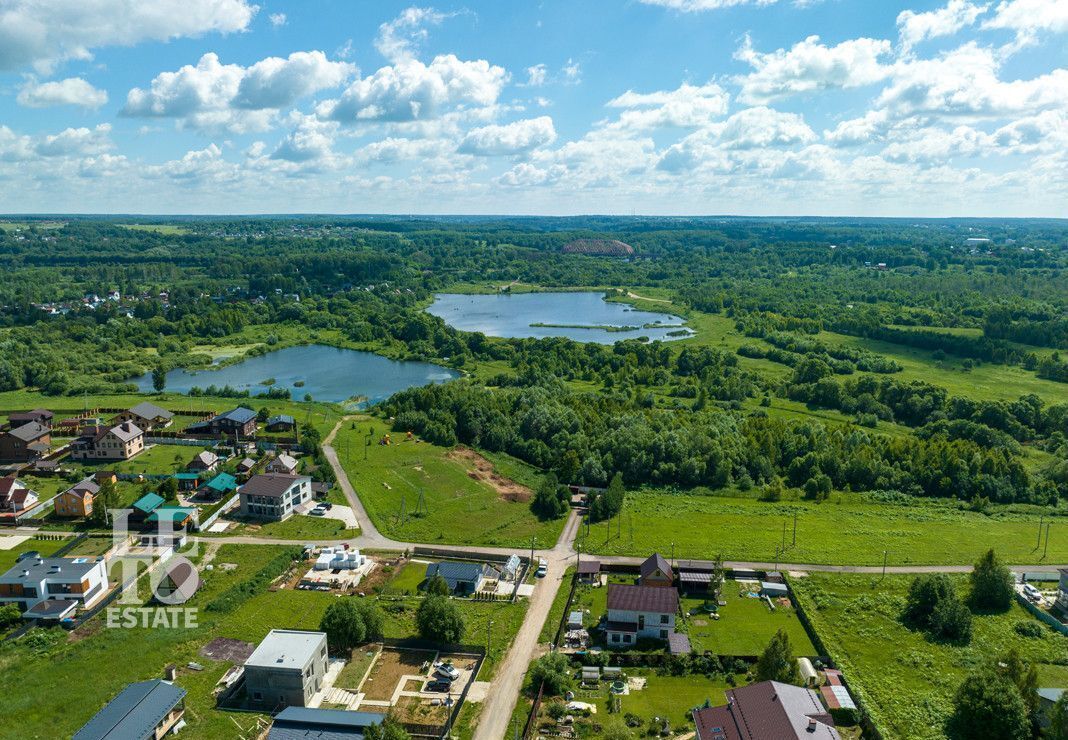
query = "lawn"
x=296 y=527
x=354 y=671
x=745 y=626
x=847 y=529
x=667 y=697
x=45 y=547
x=907 y=681
x=408 y=580
x=457 y=508
x=155 y=460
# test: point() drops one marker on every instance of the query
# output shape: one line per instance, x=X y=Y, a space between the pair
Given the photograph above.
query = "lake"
x=328 y=373
x=582 y=316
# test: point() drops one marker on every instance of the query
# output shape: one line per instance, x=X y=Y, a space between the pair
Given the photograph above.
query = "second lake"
x=328 y=374
x=583 y=316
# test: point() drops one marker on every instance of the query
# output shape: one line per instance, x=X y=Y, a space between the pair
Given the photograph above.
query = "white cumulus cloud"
x=398 y=38
x=915 y=27
x=412 y=91
x=810 y=66
x=44 y=32
x=75 y=142
x=71 y=91
x=511 y=138
x=213 y=95
x=1029 y=18
x=687 y=106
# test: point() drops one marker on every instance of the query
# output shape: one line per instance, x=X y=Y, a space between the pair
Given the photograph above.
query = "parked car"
x=439 y=684
x=317 y=512
x=543 y=568
x=327 y=505
x=446 y=671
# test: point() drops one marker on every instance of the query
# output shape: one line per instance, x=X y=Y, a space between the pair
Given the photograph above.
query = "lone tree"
x=437 y=586
x=439 y=620
x=991 y=583
x=553 y=670
x=548 y=502
x=951 y=620
x=777 y=662
x=349 y=622
x=988 y=705
x=932 y=605
x=159 y=378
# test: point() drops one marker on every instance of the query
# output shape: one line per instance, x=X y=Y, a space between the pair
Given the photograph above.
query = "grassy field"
x=155 y=460
x=556 y=611
x=667 y=697
x=846 y=530
x=459 y=509
x=296 y=527
x=745 y=626
x=906 y=680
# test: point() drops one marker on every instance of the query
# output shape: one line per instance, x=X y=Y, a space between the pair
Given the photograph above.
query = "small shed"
x=775 y=577
x=589 y=571
x=591 y=674
x=510 y=569
x=574 y=620
x=773 y=590
x=808 y=672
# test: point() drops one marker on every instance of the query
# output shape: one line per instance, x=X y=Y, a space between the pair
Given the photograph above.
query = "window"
x=615 y=638
x=626 y=638
x=258 y=696
x=663 y=634
x=663 y=619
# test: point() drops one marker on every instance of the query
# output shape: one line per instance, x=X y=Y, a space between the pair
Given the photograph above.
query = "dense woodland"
x=672 y=415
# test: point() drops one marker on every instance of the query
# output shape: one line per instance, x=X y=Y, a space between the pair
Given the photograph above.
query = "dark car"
x=327 y=505
x=439 y=684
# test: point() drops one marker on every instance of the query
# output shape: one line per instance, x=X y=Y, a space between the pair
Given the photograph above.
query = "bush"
x=439 y=620
x=1028 y=628
x=552 y=670
x=233 y=597
x=951 y=620
x=350 y=622
x=777 y=662
x=989 y=706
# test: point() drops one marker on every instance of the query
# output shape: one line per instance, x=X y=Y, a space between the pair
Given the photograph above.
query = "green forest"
x=887 y=357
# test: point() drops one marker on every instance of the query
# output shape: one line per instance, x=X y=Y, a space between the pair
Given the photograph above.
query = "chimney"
x=811 y=724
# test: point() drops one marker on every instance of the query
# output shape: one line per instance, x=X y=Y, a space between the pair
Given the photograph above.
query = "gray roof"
x=69 y=569
x=286 y=649
x=126 y=431
x=274 y=485
x=134 y=713
x=50 y=609
x=287 y=461
x=148 y=410
x=301 y=723
x=85 y=485
x=241 y=415
x=656 y=562
x=1051 y=695
x=457 y=573
x=281 y=419
x=30 y=432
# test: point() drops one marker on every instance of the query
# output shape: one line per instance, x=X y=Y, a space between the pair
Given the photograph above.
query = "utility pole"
x=672 y=554
x=794 y=543
x=884 y=563
x=784 y=537
x=1046 y=547
x=777 y=552
x=488 y=625
x=532 y=540
x=1041 y=517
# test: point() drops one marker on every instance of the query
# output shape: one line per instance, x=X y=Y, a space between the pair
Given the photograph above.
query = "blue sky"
x=762 y=107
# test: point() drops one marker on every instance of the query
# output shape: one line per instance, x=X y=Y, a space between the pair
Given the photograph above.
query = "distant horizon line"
x=431 y=216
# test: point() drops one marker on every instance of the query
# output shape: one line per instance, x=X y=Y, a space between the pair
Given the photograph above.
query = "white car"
x=543 y=568
x=446 y=670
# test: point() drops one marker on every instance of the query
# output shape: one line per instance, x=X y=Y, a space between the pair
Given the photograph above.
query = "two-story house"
x=284 y=463
x=33 y=582
x=286 y=669
x=239 y=422
x=273 y=497
x=77 y=501
x=26 y=442
x=120 y=442
x=15 y=496
x=640 y=612
x=147 y=416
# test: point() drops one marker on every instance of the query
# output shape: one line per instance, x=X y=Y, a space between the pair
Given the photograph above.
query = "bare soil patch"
x=482 y=470
x=225 y=648
x=387 y=671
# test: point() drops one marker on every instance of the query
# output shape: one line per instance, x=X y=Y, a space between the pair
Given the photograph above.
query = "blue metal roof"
x=301 y=723
x=149 y=502
x=134 y=713
x=223 y=482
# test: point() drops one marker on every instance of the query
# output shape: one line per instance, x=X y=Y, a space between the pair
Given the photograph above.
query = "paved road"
x=501 y=700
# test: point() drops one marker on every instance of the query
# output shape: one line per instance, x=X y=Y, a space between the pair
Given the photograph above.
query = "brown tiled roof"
x=656 y=562
x=766 y=710
x=269 y=484
x=643 y=598
x=126 y=431
x=34 y=415
x=588 y=567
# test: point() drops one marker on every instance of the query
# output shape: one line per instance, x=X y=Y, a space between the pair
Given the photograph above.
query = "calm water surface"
x=329 y=374
x=518 y=315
